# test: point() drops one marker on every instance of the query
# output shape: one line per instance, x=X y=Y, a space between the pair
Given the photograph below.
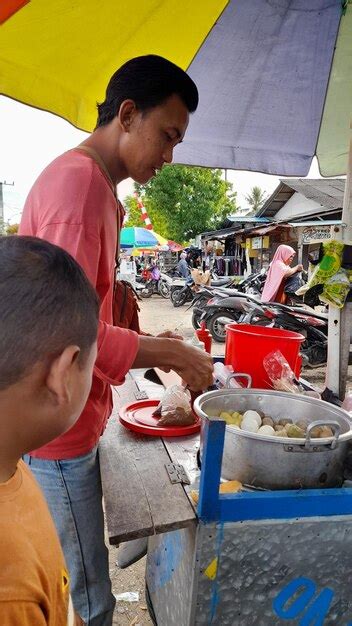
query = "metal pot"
x=280 y=462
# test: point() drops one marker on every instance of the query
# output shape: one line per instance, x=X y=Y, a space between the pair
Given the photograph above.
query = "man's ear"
x=126 y=114
x=60 y=378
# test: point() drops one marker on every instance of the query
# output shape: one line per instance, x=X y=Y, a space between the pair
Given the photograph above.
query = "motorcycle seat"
x=220 y=282
x=300 y=309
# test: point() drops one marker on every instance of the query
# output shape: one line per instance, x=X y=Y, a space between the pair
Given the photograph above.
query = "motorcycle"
x=183 y=289
x=312 y=325
x=252 y=285
x=153 y=281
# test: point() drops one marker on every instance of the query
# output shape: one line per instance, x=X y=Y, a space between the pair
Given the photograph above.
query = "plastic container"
x=247 y=345
x=204 y=335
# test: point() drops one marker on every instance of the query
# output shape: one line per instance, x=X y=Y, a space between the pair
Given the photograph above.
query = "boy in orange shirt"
x=48 y=329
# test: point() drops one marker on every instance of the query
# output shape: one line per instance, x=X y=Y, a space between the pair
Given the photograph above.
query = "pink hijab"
x=277 y=272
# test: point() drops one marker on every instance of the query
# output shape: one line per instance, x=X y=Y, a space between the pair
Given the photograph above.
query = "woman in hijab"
x=279 y=270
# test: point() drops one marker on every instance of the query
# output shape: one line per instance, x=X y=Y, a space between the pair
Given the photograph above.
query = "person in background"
x=182 y=266
x=73 y=204
x=48 y=328
x=279 y=271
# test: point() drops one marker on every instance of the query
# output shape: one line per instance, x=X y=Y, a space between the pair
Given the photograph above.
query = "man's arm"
x=193 y=365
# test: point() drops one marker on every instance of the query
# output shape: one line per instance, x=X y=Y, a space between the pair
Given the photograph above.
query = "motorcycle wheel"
x=164 y=289
x=177 y=298
x=180 y=299
x=217 y=323
x=147 y=290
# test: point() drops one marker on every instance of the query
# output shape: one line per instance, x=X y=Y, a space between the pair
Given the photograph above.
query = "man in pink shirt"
x=73 y=204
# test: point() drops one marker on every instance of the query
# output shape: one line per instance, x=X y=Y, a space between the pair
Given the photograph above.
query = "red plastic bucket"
x=247 y=345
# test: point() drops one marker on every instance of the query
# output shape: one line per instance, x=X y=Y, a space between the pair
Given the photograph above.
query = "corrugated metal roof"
x=328 y=192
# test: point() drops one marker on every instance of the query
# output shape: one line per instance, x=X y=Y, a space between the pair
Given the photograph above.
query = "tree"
x=256 y=198
x=190 y=200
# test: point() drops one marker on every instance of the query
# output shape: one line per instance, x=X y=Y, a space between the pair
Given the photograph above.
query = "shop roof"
x=328 y=192
x=234 y=223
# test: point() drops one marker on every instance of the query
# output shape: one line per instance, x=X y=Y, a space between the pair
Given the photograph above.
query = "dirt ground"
x=157 y=315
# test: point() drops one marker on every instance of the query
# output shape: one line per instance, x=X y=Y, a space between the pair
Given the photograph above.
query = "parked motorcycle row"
x=225 y=301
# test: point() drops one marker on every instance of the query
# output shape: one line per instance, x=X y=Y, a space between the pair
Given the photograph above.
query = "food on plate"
x=177 y=417
x=175 y=408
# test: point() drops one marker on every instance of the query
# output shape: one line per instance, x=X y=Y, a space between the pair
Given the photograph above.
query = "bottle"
x=204 y=335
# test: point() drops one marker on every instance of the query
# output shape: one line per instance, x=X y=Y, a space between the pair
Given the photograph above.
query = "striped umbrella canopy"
x=59 y=55
x=135 y=237
x=274 y=76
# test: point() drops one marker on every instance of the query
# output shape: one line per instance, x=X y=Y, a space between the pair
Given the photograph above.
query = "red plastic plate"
x=138 y=416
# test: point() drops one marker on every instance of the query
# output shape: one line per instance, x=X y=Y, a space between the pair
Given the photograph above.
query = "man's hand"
x=169 y=334
x=193 y=365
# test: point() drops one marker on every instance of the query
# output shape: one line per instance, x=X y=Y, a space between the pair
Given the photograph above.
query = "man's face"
x=152 y=137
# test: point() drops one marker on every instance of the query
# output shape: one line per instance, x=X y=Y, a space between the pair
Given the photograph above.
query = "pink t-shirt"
x=72 y=204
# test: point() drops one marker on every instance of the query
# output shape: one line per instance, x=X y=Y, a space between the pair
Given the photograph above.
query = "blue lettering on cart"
x=296 y=598
x=318 y=610
x=287 y=593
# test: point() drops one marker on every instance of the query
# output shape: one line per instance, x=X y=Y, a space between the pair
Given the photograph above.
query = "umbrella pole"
x=340 y=321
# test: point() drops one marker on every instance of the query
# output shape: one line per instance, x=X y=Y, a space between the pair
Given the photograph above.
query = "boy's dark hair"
x=148 y=81
x=46 y=304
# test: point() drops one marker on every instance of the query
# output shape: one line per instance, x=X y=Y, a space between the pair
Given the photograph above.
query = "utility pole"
x=2 y=224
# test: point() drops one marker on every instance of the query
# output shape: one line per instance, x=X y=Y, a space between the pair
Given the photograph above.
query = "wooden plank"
x=139 y=498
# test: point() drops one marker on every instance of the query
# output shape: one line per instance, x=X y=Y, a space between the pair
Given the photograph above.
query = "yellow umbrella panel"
x=46 y=57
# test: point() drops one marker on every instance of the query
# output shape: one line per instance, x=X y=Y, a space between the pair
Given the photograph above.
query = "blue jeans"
x=72 y=489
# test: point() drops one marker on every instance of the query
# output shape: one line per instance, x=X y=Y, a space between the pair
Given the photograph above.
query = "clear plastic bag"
x=175 y=407
x=282 y=377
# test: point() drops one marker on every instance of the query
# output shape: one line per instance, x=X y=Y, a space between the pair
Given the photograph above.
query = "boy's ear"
x=126 y=114
x=60 y=378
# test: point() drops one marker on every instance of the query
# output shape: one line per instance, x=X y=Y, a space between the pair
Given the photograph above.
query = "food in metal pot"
x=266 y=430
x=250 y=424
x=326 y=431
x=254 y=415
x=294 y=431
x=268 y=421
x=285 y=420
x=302 y=424
x=315 y=432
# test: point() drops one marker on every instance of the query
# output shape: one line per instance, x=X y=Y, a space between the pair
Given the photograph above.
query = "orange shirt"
x=34 y=584
x=72 y=204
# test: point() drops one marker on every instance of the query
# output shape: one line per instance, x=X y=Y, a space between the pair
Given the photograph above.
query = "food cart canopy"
x=264 y=74
x=274 y=76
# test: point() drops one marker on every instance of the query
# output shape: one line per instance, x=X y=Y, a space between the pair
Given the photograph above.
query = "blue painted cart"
x=256 y=558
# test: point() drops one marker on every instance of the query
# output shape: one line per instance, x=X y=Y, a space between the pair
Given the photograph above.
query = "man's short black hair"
x=148 y=81
x=46 y=304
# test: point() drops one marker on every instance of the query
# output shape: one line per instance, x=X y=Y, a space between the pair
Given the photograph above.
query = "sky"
x=30 y=139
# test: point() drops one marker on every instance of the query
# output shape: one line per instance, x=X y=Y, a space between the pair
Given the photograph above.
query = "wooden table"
x=140 y=499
